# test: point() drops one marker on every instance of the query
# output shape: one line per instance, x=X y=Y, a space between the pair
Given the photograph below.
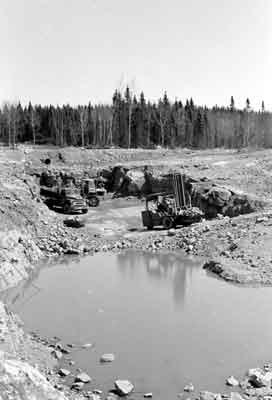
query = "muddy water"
x=166 y=321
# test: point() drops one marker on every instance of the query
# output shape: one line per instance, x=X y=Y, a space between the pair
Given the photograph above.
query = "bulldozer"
x=171 y=209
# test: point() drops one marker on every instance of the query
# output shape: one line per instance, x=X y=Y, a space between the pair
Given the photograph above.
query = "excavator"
x=171 y=209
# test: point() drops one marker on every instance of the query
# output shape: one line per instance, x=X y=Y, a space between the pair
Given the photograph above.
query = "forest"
x=131 y=121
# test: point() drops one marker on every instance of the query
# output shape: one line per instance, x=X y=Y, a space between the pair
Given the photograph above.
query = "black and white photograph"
x=135 y=200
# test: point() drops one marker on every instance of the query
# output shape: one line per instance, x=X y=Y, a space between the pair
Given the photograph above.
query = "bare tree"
x=83 y=118
x=161 y=118
x=10 y=113
x=33 y=122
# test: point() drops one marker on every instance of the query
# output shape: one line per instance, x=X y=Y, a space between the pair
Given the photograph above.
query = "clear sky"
x=75 y=51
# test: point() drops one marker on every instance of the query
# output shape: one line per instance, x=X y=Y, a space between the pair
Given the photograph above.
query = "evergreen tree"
x=232 y=104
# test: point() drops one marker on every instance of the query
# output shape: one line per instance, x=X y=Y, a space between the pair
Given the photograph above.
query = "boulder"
x=64 y=372
x=87 y=345
x=213 y=266
x=74 y=222
x=218 y=196
x=83 y=377
x=231 y=381
x=259 y=378
x=123 y=387
x=235 y=396
x=77 y=385
x=107 y=358
x=205 y=395
x=189 y=388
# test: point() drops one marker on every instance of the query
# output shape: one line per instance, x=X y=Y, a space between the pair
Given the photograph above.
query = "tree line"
x=131 y=121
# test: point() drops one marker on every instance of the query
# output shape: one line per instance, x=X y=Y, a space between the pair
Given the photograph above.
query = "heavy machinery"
x=66 y=199
x=171 y=209
x=89 y=192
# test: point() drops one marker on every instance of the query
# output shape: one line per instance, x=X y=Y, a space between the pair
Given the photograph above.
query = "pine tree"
x=232 y=104
x=247 y=104
x=129 y=108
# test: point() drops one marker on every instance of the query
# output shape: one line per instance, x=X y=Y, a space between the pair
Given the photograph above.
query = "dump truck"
x=170 y=209
x=67 y=199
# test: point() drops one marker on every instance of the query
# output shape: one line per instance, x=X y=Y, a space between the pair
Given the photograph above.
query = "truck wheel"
x=85 y=210
x=94 y=201
x=168 y=222
x=149 y=227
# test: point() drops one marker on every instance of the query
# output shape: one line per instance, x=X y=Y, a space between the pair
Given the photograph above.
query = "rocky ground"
x=236 y=249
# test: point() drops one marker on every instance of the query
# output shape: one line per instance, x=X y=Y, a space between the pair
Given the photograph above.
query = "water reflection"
x=26 y=290
x=175 y=269
x=170 y=266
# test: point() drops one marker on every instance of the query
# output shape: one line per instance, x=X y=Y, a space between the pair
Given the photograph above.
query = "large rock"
x=213 y=266
x=123 y=387
x=213 y=199
x=64 y=372
x=235 y=396
x=77 y=386
x=105 y=358
x=124 y=182
x=259 y=378
x=231 y=381
x=83 y=377
x=205 y=395
x=218 y=196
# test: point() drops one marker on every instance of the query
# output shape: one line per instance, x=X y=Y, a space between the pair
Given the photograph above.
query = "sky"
x=76 y=51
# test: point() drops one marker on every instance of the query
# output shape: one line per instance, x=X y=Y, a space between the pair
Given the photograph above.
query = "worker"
x=148 y=179
x=162 y=204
